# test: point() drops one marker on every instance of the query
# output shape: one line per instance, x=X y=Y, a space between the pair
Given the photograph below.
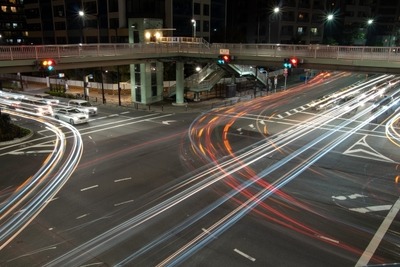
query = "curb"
x=18 y=140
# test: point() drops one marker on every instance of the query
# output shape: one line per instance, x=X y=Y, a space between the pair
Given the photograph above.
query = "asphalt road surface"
x=268 y=182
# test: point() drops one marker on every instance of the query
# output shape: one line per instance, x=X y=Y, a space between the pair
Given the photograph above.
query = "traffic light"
x=46 y=64
x=294 y=61
x=224 y=59
x=287 y=63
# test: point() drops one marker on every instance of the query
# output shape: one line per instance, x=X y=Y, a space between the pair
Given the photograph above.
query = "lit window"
x=300 y=30
x=13 y=9
x=314 y=31
x=4 y=8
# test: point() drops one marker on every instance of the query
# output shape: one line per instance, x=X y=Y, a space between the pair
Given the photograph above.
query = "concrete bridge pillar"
x=160 y=78
x=179 y=83
x=145 y=83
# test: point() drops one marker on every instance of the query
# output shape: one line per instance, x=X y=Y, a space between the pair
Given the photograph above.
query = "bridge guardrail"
x=181 y=45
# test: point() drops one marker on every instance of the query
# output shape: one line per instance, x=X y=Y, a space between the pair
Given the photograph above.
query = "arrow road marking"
x=168 y=122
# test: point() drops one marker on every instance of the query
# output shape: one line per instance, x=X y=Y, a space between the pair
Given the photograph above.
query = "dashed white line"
x=125 y=112
x=113 y=115
x=92 y=264
x=208 y=232
x=287 y=113
x=122 y=179
x=329 y=239
x=90 y=187
x=244 y=254
x=122 y=203
x=279 y=116
x=82 y=216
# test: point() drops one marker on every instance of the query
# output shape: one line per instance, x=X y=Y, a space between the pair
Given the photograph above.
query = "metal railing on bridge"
x=195 y=47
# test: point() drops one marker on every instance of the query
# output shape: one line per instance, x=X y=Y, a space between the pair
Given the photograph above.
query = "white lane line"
x=375 y=241
x=90 y=187
x=122 y=203
x=113 y=115
x=287 y=113
x=100 y=118
x=92 y=264
x=125 y=112
x=328 y=239
x=208 y=232
x=82 y=216
x=30 y=152
x=244 y=254
x=279 y=116
x=122 y=179
x=295 y=110
x=372 y=208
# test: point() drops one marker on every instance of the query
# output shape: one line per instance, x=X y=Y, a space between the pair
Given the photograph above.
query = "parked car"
x=71 y=115
x=83 y=106
x=48 y=98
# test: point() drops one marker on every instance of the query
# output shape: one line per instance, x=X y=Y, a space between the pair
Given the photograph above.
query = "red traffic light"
x=47 y=64
x=226 y=58
x=294 y=61
x=222 y=59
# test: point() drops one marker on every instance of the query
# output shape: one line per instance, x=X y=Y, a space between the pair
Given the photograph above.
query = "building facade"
x=13 y=30
x=60 y=21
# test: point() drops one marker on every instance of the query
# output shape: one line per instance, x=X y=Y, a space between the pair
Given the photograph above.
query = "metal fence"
x=197 y=46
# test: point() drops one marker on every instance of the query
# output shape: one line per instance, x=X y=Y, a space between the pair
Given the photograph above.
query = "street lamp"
x=328 y=26
x=194 y=27
x=370 y=23
x=276 y=10
x=83 y=15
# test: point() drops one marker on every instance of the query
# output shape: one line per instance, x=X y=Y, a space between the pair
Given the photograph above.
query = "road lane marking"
x=92 y=264
x=122 y=203
x=372 y=208
x=328 y=239
x=82 y=216
x=376 y=240
x=361 y=149
x=99 y=118
x=125 y=112
x=244 y=254
x=208 y=232
x=90 y=187
x=122 y=179
x=113 y=115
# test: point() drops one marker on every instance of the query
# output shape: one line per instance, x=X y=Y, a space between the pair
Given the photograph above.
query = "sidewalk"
x=165 y=105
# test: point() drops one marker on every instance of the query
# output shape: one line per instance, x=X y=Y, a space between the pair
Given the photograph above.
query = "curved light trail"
x=199 y=135
x=32 y=197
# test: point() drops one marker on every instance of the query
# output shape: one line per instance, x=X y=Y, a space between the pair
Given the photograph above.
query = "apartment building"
x=13 y=29
x=92 y=21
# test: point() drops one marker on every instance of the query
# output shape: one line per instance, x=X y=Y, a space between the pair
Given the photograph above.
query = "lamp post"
x=194 y=27
x=328 y=27
x=276 y=10
x=83 y=15
x=370 y=22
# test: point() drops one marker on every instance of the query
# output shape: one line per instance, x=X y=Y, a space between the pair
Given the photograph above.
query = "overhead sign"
x=224 y=51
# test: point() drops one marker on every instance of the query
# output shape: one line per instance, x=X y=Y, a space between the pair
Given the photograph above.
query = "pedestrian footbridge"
x=151 y=56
